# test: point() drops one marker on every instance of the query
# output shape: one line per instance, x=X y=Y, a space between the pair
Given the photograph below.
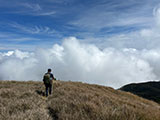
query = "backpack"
x=46 y=78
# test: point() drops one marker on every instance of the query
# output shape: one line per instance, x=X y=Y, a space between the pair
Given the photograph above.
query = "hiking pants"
x=48 y=87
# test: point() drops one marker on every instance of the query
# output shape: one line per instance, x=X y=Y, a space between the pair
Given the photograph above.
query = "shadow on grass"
x=40 y=92
x=53 y=113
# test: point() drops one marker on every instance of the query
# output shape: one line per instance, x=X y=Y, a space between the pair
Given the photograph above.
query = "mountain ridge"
x=149 y=90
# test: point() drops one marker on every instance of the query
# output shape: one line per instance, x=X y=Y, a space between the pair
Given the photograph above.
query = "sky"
x=107 y=42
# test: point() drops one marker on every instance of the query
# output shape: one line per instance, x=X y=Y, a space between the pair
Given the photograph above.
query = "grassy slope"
x=72 y=101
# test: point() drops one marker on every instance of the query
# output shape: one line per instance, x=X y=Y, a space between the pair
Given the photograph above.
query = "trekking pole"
x=43 y=89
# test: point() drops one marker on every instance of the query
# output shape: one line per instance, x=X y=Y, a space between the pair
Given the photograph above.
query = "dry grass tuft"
x=72 y=101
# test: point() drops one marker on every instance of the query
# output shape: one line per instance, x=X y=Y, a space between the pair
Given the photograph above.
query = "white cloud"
x=82 y=62
x=32 y=30
x=35 y=29
x=142 y=38
x=34 y=7
x=28 y=8
x=116 y=14
x=156 y=13
x=46 y=13
x=9 y=53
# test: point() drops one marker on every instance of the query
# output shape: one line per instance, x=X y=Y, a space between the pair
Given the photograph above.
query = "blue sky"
x=119 y=39
x=28 y=24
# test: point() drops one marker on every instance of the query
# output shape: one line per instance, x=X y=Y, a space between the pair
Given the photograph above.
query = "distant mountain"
x=148 y=90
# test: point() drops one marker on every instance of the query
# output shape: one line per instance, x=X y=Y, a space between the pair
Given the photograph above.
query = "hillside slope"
x=72 y=101
x=148 y=90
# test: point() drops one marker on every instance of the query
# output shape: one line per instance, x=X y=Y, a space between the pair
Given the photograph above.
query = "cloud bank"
x=76 y=61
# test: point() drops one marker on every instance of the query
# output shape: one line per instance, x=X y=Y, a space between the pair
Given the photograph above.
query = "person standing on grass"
x=47 y=79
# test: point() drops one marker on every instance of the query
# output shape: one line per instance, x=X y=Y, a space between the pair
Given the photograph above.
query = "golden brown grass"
x=72 y=101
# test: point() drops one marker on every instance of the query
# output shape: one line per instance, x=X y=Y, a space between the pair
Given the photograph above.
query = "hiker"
x=47 y=79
